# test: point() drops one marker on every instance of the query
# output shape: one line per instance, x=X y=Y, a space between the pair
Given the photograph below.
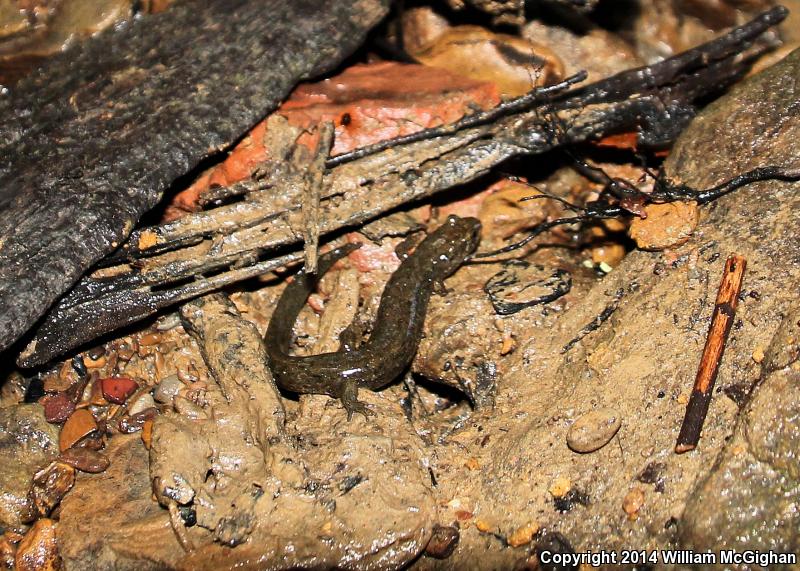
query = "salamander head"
x=453 y=242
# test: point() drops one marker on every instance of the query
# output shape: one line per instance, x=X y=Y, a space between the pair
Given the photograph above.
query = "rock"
x=134 y=422
x=666 y=225
x=81 y=423
x=523 y=535
x=633 y=502
x=118 y=389
x=599 y=52
x=50 y=486
x=514 y=64
x=747 y=500
x=109 y=520
x=594 y=430
x=38 y=550
x=421 y=27
x=57 y=407
x=167 y=389
x=27 y=443
x=444 y=541
x=85 y=460
x=144 y=402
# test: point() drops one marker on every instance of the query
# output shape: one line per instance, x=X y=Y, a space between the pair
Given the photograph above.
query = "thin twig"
x=721 y=321
x=516 y=105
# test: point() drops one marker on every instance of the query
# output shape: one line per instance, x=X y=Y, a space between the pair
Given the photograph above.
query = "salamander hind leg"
x=349 y=398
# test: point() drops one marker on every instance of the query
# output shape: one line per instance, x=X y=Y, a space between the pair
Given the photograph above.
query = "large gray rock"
x=749 y=499
x=27 y=443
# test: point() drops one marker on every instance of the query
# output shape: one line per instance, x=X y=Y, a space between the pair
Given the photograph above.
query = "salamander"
x=398 y=324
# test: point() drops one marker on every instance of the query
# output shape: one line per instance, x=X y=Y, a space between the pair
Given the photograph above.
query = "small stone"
x=683 y=398
x=472 y=463
x=443 y=542
x=118 y=389
x=81 y=423
x=464 y=515
x=94 y=363
x=85 y=460
x=57 y=407
x=147 y=433
x=483 y=526
x=150 y=339
x=508 y=345
x=38 y=550
x=633 y=502
x=523 y=535
x=758 y=354
x=167 y=389
x=188 y=409
x=560 y=486
x=134 y=423
x=142 y=403
x=50 y=486
x=666 y=226
x=594 y=430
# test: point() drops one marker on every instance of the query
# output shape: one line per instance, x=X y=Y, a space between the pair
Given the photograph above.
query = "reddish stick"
x=721 y=321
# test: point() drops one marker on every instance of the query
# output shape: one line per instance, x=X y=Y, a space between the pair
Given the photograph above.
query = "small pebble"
x=443 y=542
x=134 y=423
x=483 y=526
x=38 y=550
x=523 y=535
x=758 y=354
x=472 y=463
x=633 y=502
x=666 y=226
x=188 y=409
x=85 y=460
x=57 y=407
x=560 y=486
x=125 y=352
x=168 y=322
x=81 y=423
x=594 y=430
x=118 y=389
x=150 y=339
x=167 y=389
x=49 y=487
x=94 y=363
x=147 y=433
x=144 y=401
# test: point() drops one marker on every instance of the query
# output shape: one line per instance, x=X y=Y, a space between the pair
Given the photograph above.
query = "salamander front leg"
x=349 y=397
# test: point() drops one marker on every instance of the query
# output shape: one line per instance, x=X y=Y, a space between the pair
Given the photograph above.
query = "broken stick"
x=721 y=321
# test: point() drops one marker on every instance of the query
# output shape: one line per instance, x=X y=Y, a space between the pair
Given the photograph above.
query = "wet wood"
x=90 y=142
x=721 y=322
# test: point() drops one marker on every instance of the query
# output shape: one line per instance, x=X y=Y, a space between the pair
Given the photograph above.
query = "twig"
x=516 y=105
x=312 y=193
x=721 y=321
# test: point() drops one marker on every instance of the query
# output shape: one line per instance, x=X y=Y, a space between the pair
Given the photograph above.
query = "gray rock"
x=27 y=443
x=748 y=500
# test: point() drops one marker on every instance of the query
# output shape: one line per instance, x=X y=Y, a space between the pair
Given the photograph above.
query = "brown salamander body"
x=398 y=324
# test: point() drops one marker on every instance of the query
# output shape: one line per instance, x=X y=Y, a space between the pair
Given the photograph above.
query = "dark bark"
x=90 y=142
